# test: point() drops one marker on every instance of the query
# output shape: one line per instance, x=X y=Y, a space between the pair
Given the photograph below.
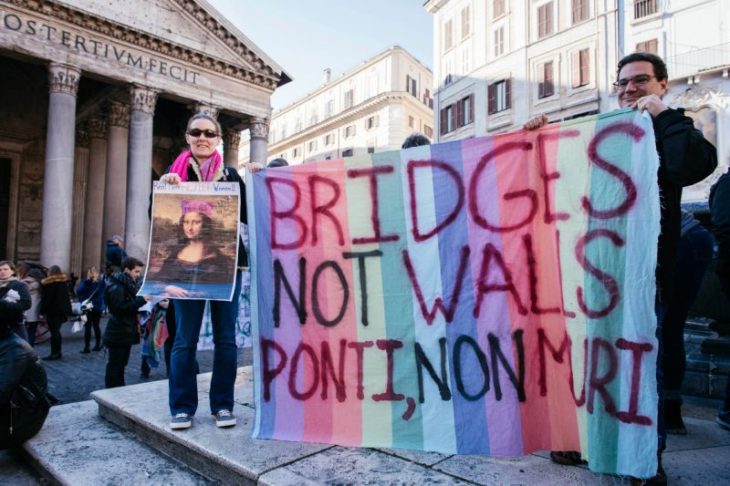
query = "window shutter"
x=491 y=99
x=471 y=108
x=508 y=93
x=584 y=67
x=442 y=121
x=575 y=68
x=459 y=113
x=549 y=85
x=541 y=81
x=454 y=120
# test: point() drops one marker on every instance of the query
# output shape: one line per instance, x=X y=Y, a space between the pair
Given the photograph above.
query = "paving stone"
x=340 y=465
x=701 y=434
x=419 y=457
x=708 y=467
x=75 y=446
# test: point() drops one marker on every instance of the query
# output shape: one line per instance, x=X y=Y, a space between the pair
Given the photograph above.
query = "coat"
x=55 y=300
x=12 y=309
x=123 y=303
x=94 y=290
x=34 y=287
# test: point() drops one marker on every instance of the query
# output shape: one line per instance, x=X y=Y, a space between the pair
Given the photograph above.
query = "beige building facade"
x=95 y=97
x=370 y=108
x=499 y=63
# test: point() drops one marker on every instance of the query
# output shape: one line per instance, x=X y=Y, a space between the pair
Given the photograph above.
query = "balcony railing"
x=643 y=8
x=698 y=60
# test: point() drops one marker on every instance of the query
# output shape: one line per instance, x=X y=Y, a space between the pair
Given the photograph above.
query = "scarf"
x=3 y=283
x=208 y=169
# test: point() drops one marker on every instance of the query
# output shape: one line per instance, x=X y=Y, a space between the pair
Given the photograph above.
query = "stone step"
x=231 y=456
x=76 y=446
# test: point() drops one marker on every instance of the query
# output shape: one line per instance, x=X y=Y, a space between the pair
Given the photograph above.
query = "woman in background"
x=92 y=289
x=55 y=306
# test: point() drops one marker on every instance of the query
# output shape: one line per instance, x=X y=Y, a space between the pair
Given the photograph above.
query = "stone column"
x=56 y=226
x=139 y=172
x=115 y=179
x=81 y=170
x=259 y=130
x=231 y=141
x=94 y=214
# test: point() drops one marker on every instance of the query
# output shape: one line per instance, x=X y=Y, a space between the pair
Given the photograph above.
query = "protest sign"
x=193 y=241
x=487 y=296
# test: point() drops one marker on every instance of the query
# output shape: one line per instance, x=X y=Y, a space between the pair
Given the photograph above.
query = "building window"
x=295 y=152
x=497 y=8
x=428 y=131
x=298 y=125
x=581 y=68
x=545 y=85
x=648 y=46
x=448 y=119
x=499 y=41
x=498 y=94
x=580 y=11
x=411 y=86
x=545 y=20
x=349 y=98
x=347 y=153
x=465 y=61
x=328 y=139
x=465 y=111
x=371 y=150
x=448 y=35
x=465 y=22
x=349 y=131
x=313 y=119
x=371 y=122
x=427 y=100
x=411 y=121
x=643 y=8
x=329 y=108
x=312 y=145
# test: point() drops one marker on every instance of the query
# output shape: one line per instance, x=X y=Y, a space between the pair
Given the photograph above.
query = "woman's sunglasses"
x=197 y=132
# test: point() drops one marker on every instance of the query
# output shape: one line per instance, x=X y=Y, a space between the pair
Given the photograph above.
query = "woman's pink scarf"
x=208 y=169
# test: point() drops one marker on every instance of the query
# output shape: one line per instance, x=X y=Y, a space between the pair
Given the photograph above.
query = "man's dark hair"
x=660 y=69
x=130 y=263
x=277 y=162
x=415 y=140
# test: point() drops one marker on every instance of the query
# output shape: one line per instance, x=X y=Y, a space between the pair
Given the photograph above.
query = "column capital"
x=97 y=126
x=143 y=98
x=82 y=135
x=63 y=78
x=231 y=137
x=118 y=114
x=259 y=128
x=206 y=108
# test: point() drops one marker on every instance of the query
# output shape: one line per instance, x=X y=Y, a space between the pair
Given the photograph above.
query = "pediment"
x=192 y=29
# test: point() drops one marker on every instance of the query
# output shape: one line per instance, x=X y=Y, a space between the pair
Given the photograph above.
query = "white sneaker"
x=181 y=421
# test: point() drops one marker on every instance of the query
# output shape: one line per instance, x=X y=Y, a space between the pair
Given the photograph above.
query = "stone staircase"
x=121 y=437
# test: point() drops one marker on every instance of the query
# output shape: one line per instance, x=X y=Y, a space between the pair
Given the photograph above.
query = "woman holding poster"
x=202 y=162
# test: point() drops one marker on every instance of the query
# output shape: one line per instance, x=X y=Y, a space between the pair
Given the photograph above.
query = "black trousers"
x=118 y=359
x=92 y=320
x=54 y=325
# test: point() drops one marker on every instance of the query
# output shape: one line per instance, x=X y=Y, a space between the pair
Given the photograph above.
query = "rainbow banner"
x=487 y=296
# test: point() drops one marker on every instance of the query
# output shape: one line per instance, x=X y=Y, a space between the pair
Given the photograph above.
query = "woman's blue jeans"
x=183 y=378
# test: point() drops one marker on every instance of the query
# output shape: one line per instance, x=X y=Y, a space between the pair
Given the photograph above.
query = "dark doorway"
x=5 y=165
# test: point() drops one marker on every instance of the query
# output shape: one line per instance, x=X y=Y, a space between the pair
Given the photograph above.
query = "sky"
x=306 y=36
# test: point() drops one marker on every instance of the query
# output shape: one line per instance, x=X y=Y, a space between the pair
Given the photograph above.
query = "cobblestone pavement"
x=75 y=376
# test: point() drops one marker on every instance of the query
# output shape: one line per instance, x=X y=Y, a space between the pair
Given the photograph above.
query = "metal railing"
x=698 y=60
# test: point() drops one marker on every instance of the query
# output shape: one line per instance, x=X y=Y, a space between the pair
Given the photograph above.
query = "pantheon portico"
x=94 y=101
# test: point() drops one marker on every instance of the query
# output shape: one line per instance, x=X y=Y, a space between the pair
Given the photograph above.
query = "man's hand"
x=253 y=167
x=172 y=179
x=537 y=122
x=651 y=103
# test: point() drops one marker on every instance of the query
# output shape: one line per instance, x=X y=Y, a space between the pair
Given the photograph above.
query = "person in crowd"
x=31 y=277
x=202 y=162
x=92 y=289
x=415 y=140
x=685 y=158
x=156 y=335
x=14 y=299
x=720 y=210
x=56 y=307
x=114 y=254
x=23 y=401
x=122 y=330
x=198 y=259
x=277 y=162
x=693 y=256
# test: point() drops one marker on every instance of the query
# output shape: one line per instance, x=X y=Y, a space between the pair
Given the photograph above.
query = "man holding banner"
x=686 y=158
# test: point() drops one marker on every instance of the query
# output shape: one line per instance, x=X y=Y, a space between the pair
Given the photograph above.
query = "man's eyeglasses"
x=639 y=81
x=197 y=132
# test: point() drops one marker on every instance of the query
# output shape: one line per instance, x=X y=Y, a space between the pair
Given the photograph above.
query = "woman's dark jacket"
x=23 y=385
x=88 y=288
x=685 y=158
x=11 y=311
x=122 y=300
x=55 y=300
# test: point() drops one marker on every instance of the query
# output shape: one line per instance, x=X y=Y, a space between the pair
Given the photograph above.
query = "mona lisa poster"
x=193 y=241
